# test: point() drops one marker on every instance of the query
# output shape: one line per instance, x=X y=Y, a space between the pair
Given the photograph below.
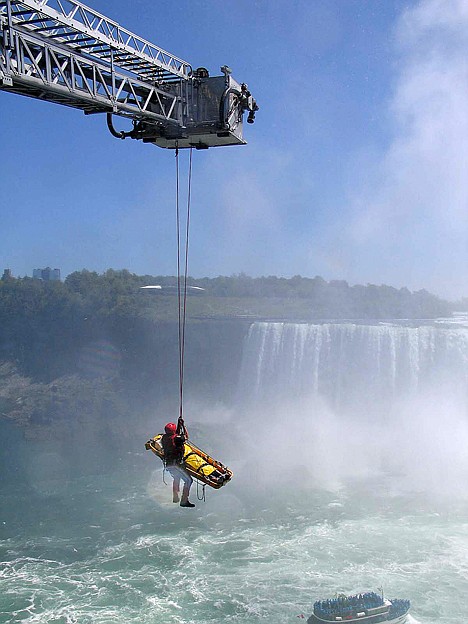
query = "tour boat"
x=366 y=608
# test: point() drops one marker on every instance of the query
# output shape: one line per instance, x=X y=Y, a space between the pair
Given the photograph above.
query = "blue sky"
x=356 y=168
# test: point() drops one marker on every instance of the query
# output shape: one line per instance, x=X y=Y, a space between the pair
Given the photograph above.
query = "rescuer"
x=173 y=442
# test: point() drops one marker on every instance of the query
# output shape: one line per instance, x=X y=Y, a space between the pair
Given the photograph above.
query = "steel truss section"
x=39 y=68
x=88 y=32
x=64 y=52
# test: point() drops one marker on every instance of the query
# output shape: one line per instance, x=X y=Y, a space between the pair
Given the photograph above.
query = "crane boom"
x=65 y=52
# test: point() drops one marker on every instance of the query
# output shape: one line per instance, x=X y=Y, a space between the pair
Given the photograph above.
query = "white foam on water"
x=269 y=567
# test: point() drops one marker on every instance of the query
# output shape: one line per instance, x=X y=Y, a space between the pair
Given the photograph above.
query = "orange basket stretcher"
x=196 y=462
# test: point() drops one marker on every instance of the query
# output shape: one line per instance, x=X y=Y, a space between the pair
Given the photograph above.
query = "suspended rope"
x=178 y=278
x=182 y=281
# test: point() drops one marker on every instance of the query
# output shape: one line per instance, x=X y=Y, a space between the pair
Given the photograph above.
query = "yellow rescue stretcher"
x=197 y=463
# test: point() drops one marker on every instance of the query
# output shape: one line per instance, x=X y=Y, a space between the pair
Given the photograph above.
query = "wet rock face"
x=115 y=373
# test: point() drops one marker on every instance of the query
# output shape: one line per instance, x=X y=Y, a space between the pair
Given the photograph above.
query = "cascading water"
x=368 y=399
x=352 y=366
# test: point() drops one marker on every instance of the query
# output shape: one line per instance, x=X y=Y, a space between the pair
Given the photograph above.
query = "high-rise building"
x=7 y=275
x=47 y=274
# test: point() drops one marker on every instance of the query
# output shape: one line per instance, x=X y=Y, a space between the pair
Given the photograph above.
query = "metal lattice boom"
x=65 y=52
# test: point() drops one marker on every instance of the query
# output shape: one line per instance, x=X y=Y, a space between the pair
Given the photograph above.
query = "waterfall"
x=353 y=366
x=345 y=401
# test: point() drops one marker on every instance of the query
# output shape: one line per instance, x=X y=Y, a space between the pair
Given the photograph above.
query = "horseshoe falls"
x=387 y=399
x=353 y=365
x=348 y=444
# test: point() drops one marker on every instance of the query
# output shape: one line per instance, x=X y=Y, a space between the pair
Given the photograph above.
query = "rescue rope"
x=182 y=282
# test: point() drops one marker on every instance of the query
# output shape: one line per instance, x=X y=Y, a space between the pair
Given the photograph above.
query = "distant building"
x=7 y=275
x=47 y=274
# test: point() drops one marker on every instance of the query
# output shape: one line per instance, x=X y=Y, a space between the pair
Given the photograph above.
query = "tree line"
x=117 y=294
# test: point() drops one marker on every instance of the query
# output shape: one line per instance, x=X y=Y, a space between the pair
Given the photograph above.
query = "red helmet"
x=170 y=428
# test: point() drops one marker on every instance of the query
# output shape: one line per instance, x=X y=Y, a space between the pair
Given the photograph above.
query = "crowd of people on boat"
x=399 y=606
x=345 y=605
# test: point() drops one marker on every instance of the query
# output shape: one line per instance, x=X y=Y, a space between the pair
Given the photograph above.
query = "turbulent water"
x=324 y=498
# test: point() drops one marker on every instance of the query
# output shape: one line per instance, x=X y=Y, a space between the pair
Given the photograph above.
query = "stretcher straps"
x=199 y=469
x=201 y=457
x=206 y=457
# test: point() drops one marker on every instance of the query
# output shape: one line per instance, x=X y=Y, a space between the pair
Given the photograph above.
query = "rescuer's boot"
x=186 y=503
